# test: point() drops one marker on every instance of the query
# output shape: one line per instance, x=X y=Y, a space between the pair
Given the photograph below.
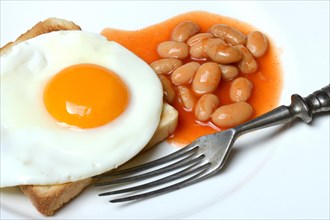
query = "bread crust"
x=42 y=27
x=167 y=125
x=47 y=199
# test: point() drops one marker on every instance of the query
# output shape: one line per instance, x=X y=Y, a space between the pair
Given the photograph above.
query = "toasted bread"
x=167 y=125
x=49 y=198
x=43 y=27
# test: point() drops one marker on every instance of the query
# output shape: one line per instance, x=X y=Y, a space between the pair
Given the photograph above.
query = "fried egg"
x=73 y=105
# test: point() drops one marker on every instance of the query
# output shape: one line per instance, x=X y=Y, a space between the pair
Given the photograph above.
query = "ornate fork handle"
x=303 y=108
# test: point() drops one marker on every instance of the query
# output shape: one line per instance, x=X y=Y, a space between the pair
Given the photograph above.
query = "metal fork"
x=207 y=155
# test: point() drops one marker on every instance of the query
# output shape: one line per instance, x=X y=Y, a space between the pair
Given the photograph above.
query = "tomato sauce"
x=267 y=81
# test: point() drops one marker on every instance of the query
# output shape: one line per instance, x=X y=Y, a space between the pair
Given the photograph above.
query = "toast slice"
x=49 y=198
x=43 y=27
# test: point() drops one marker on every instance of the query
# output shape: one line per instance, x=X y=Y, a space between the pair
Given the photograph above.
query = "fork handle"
x=305 y=108
x=302 y=108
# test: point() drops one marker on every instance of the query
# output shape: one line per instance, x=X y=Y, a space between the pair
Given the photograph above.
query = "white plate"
x=280 y=172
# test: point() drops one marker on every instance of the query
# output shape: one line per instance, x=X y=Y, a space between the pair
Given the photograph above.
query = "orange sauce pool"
x=267 y=81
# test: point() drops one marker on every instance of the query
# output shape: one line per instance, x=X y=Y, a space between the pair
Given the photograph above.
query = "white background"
x=277 y=173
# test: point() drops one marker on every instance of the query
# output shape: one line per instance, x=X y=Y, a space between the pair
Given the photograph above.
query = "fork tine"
x=197 y=177
x=182 y=163
x=157 y=182
x=177 y=154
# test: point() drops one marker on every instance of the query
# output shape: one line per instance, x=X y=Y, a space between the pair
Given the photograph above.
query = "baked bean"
x=184 y=30
x=247 y=64
x=224 y=53
x=187 y=98
x=169 y=92
x=240 y=89
x=184 y=74
x=232 y=114
x=211 y=42
x=207 y=78
x=205 y=105
x=228 y=34
x=172 y=49
x=165 y=66
x=198 y=37
x=257 y=43
x=228 y=72
x=199 y=49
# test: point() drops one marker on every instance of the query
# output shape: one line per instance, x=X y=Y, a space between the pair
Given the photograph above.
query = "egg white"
x=35 y=149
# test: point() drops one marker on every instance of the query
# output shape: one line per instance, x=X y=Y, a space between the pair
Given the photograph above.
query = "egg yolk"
x=85 y=96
